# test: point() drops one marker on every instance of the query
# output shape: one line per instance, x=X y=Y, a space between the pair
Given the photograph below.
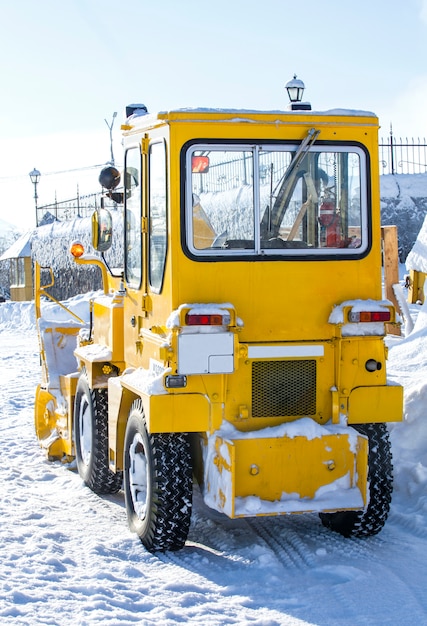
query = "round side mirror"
x=102 y=230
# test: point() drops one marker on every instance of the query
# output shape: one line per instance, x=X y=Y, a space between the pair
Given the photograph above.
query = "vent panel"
x=283 y=388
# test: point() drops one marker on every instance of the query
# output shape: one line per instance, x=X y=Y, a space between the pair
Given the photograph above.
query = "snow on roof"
x=20 y=248
x=238 y=115
x=338 y=111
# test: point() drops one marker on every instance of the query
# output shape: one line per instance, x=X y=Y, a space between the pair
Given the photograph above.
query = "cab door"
x=134 y=192
x=145 y=234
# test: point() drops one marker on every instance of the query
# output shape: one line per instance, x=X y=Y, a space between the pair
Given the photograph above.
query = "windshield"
x=292 y=200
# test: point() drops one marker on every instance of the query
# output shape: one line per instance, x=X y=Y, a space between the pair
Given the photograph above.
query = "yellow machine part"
x=55 y=397
x=108 y=330
x=50 y=427
x=279 y=475
x=381 y=404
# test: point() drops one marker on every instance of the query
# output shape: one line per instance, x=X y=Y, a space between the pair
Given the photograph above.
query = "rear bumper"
x=268 y=473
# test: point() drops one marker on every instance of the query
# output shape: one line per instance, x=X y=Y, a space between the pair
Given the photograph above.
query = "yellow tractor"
x=241 y=347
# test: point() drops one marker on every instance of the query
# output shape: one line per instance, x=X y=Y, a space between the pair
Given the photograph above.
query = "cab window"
x=157 y=215
x=132 y=201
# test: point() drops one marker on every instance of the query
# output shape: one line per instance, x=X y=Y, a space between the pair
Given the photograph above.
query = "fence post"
x=391 y=150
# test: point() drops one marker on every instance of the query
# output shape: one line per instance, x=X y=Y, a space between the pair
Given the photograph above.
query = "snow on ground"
x=417 y=258
x=67 y=557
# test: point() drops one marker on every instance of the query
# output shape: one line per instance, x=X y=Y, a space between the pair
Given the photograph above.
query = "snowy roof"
x=20 y=248
x=234 y=115
x=203 y=111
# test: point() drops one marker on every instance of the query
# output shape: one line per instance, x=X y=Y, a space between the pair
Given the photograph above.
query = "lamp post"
x=35 y=177
x=295 y=89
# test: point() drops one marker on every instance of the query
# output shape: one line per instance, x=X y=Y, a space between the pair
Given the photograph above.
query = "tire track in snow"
x=407 y=522
x=288 y=545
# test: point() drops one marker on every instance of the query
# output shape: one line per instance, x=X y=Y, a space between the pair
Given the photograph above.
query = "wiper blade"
x=273 y=216
x=303 y=148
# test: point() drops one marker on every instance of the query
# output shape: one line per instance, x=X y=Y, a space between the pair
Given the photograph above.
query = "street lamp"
x=35 y=177
x=295 y=89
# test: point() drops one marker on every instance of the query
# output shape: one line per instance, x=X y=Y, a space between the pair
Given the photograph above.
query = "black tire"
x=91 y=439
x=380 y=481
x=158 y=484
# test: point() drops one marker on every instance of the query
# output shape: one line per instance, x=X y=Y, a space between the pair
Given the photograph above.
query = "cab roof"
x=201 y=115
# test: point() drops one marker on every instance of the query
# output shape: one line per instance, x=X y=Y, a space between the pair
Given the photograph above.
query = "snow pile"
x=404 y=204
x=408 y=366
x=400 y=185
x=22 y=316
x=417 y=258
x=17 y=315
x=54 y=313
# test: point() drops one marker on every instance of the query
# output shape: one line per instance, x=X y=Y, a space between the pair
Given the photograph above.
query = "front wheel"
x=157 y=484
x=380 y=480
x=91 y=439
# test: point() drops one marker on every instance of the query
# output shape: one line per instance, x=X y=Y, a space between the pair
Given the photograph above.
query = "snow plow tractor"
x=241 y=347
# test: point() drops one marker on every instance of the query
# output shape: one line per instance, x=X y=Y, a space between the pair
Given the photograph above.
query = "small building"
x=21 y=270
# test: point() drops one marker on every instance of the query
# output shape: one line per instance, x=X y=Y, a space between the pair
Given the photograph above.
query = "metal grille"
x=283 y=388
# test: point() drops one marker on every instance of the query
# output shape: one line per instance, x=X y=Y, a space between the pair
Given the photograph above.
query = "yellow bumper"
x=278 y=475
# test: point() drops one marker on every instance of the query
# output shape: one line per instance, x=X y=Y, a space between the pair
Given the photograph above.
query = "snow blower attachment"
x=244 y=346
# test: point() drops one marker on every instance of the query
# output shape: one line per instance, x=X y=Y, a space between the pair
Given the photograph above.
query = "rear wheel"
x=91 y=439
x=380 y=480
x=157 y=484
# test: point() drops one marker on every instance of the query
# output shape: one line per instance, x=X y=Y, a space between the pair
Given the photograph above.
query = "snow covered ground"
x=67 y=557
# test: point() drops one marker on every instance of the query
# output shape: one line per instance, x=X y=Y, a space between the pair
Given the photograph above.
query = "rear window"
x=277 y=200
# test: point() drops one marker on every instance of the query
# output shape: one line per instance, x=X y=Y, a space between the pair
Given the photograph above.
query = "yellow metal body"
x=416 y=286
x=279 y=330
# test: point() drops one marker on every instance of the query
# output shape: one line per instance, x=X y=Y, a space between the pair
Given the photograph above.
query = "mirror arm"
x=109 y=268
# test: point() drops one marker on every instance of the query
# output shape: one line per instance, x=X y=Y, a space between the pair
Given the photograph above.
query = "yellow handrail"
x=41 y=291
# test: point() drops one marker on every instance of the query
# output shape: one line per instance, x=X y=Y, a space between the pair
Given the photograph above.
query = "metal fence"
x=80 y=206
x=402 y=155
x=396 y=155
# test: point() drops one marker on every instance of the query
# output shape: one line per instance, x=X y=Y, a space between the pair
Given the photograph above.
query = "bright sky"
x=67 y=66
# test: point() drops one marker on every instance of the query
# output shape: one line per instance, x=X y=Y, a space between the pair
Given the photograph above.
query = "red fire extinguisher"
x=330 y=232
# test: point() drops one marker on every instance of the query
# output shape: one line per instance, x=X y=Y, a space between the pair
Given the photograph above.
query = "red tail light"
x=369 y=316
x=204 y=320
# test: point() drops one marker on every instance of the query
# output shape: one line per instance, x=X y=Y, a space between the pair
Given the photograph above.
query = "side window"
x=17 y=272
x=133 y=235
x=157 y=215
